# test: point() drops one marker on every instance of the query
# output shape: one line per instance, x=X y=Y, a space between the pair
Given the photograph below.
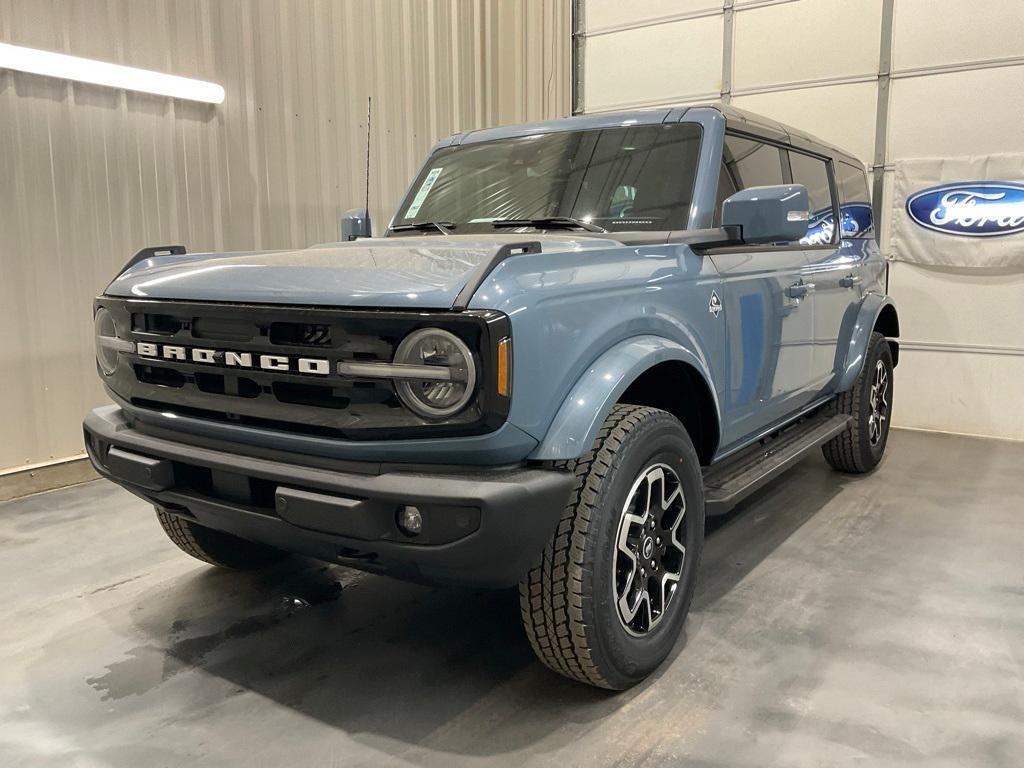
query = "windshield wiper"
x=444 y=227
x=550 y=222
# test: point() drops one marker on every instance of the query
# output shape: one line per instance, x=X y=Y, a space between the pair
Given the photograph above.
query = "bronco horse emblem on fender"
x=714 y=304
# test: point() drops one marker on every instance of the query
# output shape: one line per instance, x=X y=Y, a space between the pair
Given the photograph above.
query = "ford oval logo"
x=974 y=209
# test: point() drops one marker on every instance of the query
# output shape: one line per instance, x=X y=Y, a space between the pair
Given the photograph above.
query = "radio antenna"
x=369 y=104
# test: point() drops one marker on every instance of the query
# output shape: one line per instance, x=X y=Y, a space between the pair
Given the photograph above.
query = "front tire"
x=606 y=601
x=860 y=448
x=216 y=547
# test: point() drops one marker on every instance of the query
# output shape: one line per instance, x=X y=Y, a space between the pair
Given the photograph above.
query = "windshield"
x=620 y=179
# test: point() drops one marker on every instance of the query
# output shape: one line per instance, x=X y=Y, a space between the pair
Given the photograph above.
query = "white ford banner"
x=962 y=212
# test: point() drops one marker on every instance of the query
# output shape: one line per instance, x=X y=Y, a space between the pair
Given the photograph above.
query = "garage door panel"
x=956 y=316
x=958 y=308
x=659 y=64
x=604 y=14
x=807 y=40
x=958 y=113
x=843 y=115
x=954 y=393
x=936 y=32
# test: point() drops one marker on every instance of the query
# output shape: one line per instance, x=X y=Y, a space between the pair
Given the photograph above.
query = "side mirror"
x=355 y=223
x=768 y=214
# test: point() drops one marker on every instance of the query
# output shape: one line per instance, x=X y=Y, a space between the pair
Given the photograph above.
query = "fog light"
x=410 y=520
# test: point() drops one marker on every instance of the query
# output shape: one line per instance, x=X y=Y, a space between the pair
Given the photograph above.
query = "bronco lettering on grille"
x=317 y=366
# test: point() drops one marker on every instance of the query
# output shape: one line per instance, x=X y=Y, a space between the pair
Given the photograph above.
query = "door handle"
x=849 y=281
x=799 y=290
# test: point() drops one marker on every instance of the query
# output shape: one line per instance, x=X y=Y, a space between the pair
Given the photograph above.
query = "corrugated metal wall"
x=89 y=175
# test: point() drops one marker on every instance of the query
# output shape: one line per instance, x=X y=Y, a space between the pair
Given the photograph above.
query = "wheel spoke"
x=632 y=612
x=667 y=586
x=878 y=403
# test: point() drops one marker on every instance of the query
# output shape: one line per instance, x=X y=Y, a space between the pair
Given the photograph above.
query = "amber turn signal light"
x=504 y=369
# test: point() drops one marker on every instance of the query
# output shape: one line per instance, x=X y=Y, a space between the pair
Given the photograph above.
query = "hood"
x=397 y=272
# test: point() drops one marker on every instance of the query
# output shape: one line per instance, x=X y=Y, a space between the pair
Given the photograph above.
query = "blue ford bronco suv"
x=574 y=341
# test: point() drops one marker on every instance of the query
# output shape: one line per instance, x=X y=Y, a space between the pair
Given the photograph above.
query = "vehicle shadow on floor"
x=417 y=665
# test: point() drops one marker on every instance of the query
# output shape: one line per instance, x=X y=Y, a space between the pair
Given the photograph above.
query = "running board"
x=728 y=483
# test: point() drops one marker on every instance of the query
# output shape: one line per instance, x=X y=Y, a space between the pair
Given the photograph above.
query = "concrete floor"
x=875 y=621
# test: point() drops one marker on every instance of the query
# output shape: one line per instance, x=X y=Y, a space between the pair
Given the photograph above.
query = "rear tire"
x=860 y=448
x=634 y=525
x=216 y=547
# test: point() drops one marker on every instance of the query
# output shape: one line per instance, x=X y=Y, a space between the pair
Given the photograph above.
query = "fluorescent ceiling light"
x=103 y=73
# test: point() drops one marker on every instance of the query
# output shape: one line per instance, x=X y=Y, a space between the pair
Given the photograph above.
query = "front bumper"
x=481 y=527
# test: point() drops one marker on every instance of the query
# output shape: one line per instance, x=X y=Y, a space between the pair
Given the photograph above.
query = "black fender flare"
x=871 y=308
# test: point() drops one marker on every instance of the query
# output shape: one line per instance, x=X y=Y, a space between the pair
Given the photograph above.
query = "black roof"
x=735 y=118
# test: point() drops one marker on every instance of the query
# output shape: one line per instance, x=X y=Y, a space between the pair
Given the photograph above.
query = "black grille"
x=301 y=334
x=293 y=400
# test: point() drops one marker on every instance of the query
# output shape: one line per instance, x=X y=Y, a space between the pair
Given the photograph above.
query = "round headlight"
x=443 y=395
x=106 y=338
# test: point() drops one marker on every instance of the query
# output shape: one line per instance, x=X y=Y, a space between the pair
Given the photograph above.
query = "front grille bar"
x=395 y=371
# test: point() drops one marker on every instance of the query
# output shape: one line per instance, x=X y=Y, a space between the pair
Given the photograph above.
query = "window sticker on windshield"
x=425 y=188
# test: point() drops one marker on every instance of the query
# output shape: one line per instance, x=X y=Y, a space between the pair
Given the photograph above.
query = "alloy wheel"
x=650 y=549
x=879 y=402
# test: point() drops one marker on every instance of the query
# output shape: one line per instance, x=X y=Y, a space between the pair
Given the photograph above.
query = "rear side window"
x=746 y=163
x=854 y=200
x=812 y=172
